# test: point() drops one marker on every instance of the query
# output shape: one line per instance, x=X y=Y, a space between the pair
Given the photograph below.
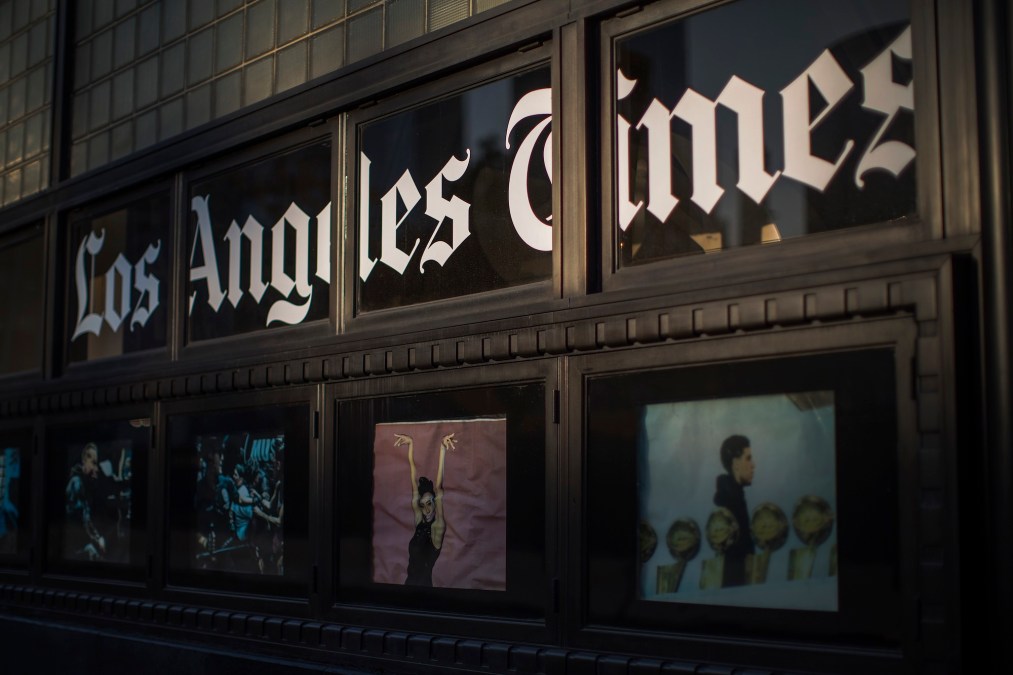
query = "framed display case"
x=259 y=245
x=440 y=501
x=453 y=197
x=710 y=148
x=754 y=494
x=117 y=271
x=17 y=452
x=238 y=494
x=97 y=493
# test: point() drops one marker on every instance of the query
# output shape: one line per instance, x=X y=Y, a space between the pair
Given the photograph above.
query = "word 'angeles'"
x=881 y=95
x=532 y=230
x=281 y=281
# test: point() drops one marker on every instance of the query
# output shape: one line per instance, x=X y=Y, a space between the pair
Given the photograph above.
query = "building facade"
x=532 y=336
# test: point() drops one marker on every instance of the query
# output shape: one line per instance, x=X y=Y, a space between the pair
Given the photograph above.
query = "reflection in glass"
x=749 y=124
x=259 y=244
x=464 y=185
x=21 y=302
x=118 y=279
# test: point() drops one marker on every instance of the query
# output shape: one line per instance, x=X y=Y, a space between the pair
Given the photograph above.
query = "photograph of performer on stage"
x=240 y=503
x=97 y=501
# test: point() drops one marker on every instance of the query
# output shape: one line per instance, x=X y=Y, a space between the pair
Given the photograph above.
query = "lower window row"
x=749 y=495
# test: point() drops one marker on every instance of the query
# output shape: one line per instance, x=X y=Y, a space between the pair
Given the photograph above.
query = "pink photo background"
x=473 y=554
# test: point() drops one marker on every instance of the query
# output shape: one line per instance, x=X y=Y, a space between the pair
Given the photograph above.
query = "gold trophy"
x=769 y=527
x=722 y=532
x=648 y=541
x=813 y=521
x=683 y=541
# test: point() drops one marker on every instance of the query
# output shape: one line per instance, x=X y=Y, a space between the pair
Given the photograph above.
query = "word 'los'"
x=122 y=281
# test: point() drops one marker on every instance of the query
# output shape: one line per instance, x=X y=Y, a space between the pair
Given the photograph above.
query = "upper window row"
x=722 y=135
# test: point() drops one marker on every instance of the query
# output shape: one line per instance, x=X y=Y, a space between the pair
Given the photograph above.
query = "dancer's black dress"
x=422 y=555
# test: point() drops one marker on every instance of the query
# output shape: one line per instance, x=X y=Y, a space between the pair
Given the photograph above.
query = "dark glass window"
x=118 y=279
x=455 y=197
x=760 y=121
x=258 y=245
x=21 y=302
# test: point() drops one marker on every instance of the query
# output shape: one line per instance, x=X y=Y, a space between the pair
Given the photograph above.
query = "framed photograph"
x=440 y=496
x=462 y=504
x=16 y=449
x=755 y=497
x=238 y=495
x=712 y=545
x=97 y=497
x=453 y=193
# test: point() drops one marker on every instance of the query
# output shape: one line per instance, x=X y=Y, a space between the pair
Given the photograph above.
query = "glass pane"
x=148 y=33
x=21 y=301
x=292 y=66
x=98 y=150
x=170 y=118
x=123 y=94
x=146 y=129
x=30 y=178
x=719 y=149
x=491 y=244
x=356 y=5
x=173 y=20
x=259 y=28
x=445 y=12
x=198 y=106
x=124 y=43
x=284 y=281
x=228 y=43
x=328 y=50
x=482 y=5
x=199 y=57
x=147 y=82
x=406 y=19
x=118 y=261
x=173 y=60
x=123 y=140
x=292 y=18
x=365 y=35
x=201 y=11
x=101 y=55
x=327 y=11
x=100 y=98
x=228 y=91
x=257 y=80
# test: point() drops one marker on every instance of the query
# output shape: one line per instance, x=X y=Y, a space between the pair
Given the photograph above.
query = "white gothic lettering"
x=535 y=233
x=122 y=281
x=438 y=209
x=405 y=192
x=283 y=281
x=881 y=95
